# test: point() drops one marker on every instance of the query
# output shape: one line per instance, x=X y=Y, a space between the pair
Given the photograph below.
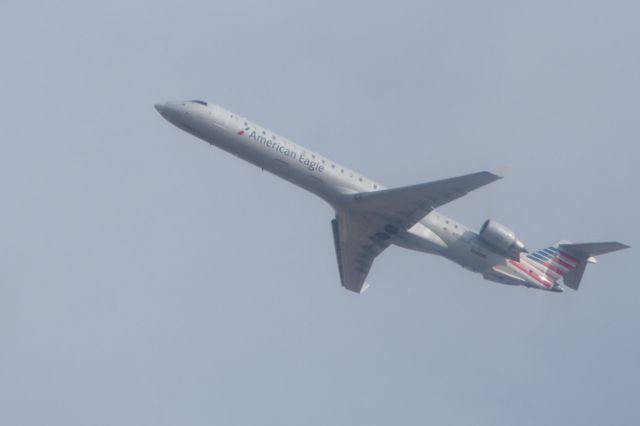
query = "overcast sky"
x=147 y=278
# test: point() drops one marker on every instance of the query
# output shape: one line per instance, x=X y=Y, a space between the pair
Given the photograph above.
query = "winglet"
x=502 y=171
x=355 y=289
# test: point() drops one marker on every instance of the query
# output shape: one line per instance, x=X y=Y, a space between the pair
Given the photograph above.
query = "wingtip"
x=616 y=245
x=357 y=290
x=502 y=171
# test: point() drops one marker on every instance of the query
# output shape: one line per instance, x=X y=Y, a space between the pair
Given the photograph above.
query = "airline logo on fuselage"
x=283 y=150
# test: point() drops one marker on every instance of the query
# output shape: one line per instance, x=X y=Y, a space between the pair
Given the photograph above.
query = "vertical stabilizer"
x=584 y=253
x=567 y=262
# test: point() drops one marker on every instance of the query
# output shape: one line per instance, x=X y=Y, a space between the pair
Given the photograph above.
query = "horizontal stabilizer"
x=593 y=249
x=584 y=253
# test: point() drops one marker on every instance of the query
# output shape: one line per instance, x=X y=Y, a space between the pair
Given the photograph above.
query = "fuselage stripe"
x=554 y=269
x=568 y=256
x=531 y=274
x=563 y=263
x=546 y=270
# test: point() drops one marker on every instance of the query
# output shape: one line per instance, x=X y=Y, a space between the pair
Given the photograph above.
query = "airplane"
x=370 y=217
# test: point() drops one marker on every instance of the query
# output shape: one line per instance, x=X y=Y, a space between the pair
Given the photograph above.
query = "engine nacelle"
x=501 y=239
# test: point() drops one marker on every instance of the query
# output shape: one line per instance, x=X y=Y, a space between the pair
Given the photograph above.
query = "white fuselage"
x=336 y=184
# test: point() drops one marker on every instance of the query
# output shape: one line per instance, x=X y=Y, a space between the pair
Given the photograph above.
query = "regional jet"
x=369 y=217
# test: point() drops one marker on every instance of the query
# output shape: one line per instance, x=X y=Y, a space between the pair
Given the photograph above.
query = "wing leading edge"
x=359 y=231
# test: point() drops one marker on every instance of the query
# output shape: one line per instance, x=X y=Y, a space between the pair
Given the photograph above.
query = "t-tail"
x=567 y=262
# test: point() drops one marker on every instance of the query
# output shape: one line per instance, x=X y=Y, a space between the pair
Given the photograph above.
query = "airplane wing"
x=356 y=247
x=405 y=206
x=362 y=231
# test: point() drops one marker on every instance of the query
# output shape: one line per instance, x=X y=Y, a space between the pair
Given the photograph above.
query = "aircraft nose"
x=161 y=108
x=175 y=112
x=170 y=111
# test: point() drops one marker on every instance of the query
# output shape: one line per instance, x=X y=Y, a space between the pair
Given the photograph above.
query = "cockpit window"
x=200 y=102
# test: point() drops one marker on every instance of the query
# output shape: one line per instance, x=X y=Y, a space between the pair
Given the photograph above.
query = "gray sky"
x=148 y=279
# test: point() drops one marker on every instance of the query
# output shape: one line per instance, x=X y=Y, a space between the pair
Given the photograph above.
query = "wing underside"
x=365 y=228
x=356 y=248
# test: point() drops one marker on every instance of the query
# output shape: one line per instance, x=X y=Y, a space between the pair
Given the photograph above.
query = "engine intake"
x=501 y=239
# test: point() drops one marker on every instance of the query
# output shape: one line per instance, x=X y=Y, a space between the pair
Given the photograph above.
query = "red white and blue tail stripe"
x=546 y=266
x=553 y=262
x=562 y=261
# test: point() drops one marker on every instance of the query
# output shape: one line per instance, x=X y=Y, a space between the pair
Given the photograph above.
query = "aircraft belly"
x=420 y=238
x=500 y=275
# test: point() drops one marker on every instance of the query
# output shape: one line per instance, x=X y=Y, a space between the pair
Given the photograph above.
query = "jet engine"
x=501 y=239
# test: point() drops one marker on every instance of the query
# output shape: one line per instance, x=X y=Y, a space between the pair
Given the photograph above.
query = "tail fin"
x=585 y=252
x=568 y=261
